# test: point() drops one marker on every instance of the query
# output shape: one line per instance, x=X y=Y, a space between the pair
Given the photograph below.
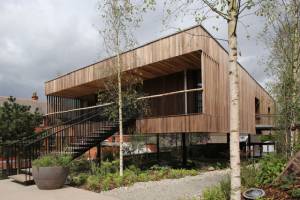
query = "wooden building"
x=185 y=77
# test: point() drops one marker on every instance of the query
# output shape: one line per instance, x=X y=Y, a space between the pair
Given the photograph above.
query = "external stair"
x=74 y=137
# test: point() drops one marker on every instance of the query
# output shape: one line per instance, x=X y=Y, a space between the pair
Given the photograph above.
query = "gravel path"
x=170 y=189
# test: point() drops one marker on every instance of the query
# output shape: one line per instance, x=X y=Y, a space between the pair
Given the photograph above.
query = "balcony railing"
x=265 y=119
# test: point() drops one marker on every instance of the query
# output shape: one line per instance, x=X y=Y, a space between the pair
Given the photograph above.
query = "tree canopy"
x=16 y=121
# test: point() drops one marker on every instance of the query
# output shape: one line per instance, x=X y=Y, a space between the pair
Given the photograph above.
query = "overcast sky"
x=40 y=39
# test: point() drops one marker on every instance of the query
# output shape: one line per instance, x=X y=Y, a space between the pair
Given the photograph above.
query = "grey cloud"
x=41 y=38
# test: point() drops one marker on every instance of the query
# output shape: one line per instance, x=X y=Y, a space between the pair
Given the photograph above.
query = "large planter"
x=50 y=178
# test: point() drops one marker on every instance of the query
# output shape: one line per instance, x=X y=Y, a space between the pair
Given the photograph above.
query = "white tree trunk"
x=120 y=113
x=234 y=104
x=296 y=41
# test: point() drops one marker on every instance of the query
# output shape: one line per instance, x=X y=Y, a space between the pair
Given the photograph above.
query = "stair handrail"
x=48 y=129
x=60 y=130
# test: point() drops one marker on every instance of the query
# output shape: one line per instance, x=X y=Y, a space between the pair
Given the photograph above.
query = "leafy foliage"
x=106 y=176
x=225 y=185
x=282 y=37
x=270 y=166
x=213 y=193
x=132 y=107
x=80 y=165
x=16 y=121
x=295 y=193
x=53 y=160
x=218 y=192
x=249 y=176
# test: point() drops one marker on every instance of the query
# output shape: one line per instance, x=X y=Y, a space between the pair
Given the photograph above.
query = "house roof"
x=34 y=104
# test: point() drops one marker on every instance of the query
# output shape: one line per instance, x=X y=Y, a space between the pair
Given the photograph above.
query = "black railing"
x=73 y=137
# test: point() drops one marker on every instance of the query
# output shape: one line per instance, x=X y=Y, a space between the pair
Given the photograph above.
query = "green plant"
x=92 y=182
x=295 y=193
x=109 y=167
x=270 y=166
x=53 y=160
x=80 y=165
x=288 y=182
x=79 y=179
x=213 y=193
x=225 y=186
x=106 y=176
x=249 y=176
x=17 y=122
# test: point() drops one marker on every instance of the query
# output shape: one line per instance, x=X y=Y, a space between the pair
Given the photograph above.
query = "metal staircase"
x=74 y=137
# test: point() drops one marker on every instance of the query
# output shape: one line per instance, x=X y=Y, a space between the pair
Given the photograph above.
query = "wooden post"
x=157 y=147
x=183 y=143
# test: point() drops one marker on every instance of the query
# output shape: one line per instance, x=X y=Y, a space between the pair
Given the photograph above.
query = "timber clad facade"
x=185 y=78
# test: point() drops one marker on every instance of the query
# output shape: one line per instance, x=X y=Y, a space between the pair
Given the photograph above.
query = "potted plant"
x=51 y=171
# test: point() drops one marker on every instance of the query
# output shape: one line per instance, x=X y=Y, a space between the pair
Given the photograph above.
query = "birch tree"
x=282 y=36
x=120 y=18
x=229 y=10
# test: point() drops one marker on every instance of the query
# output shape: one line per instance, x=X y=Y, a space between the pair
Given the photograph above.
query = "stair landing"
x=21 y=178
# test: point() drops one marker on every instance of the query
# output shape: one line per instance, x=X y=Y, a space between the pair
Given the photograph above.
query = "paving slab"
x=169 y=189
x=10 y=190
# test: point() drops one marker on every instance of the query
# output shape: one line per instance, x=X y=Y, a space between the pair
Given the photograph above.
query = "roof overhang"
x=190 y=60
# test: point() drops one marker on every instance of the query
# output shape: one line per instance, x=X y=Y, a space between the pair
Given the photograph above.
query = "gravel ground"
x=169 y=189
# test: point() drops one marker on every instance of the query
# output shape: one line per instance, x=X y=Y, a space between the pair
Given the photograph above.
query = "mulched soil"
x=277 y=194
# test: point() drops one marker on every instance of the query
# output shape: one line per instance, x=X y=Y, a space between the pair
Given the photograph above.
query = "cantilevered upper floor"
x=185 y=78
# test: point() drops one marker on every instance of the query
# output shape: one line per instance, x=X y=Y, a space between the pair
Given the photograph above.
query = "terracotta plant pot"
x=50 y=178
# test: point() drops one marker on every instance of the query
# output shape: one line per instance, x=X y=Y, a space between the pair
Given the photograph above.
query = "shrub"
x=129 y=177
x=218 y=192
x=107 y=177
x=80 y=165
x=249 y=177
x=53 y=160
x=270 y=166
x=213 y=193
x=288 y=182
x=179 y=173
x=93 y=182
x=117 y=180
x=143 y=177
x=107 y=182
x=225 y=185
x=108 y=167
x=295 y=193
x=80 y=179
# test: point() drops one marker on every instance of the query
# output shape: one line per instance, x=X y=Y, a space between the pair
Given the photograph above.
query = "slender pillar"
x=157 y=147
x=249 y=146
x=228 y=144
x=183 y=143
x=185 y=94
x=99 y=153
x=183 y=135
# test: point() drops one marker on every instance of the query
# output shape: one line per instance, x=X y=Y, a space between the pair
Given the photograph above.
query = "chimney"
x=34 y=96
